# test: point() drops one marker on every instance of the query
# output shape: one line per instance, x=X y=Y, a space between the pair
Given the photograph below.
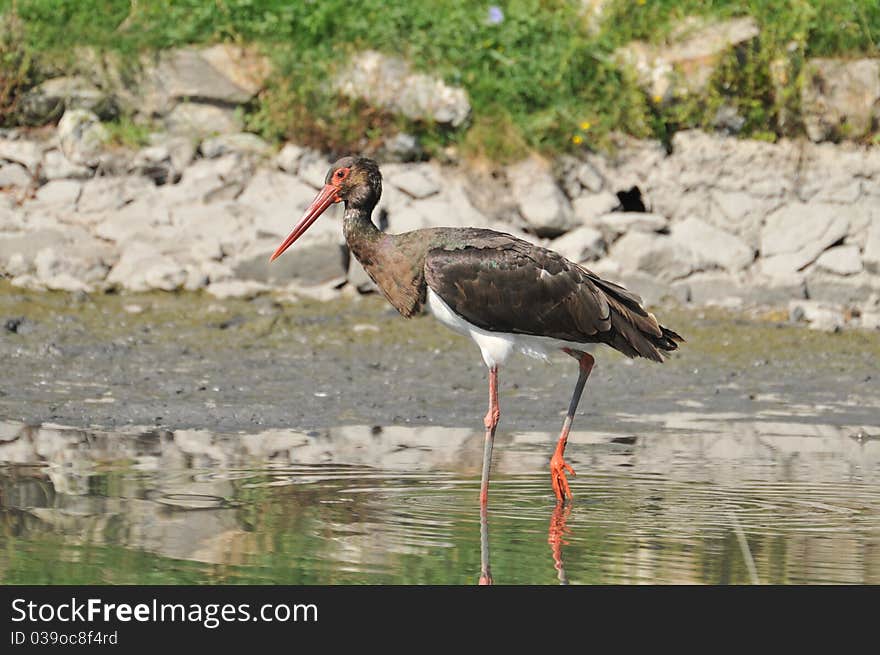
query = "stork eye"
x=341 y=173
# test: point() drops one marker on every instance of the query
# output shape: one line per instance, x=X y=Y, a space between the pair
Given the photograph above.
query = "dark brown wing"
x=503 y=284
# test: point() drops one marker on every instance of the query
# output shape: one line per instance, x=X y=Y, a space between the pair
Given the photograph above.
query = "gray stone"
x=417 y=181
x=313 y=260
x=387 y=82
x=839 y=290
x=209 y=180
x=656 y=254
x=402 y=147
x=687 y=62
x=220 y=75
x=48 y=100
x=841 y=260
x=244 y=66
x=27 y=153
x=57 y=167
x=540 y=200
x=81 y=137
x=133 y=221
x=715 y=288
x=288 y=158
x=712 y=245
x=14 y=175
x=840 y=98
x=796 y=234
x=621 y=222
x=198 y=120
x=110 y=193
x=243 y=143
x=583 y=244
x=589 y=207
x=871 y=252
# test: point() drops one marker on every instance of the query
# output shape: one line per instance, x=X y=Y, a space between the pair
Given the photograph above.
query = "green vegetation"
x=535 y=78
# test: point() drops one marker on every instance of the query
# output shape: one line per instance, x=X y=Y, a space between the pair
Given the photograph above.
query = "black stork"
x=504 y=293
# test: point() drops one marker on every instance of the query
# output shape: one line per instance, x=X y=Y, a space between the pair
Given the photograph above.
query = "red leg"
x=558 y=466
x=485 y=569
x=556 y=538
x=490 y=421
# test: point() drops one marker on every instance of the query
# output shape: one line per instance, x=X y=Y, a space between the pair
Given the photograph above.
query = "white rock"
x=589 y=177
x=589 y=207
x=796 y=234
x=583 y=244
x=620 y=222
x=288 y=158
x=540 y=200
x=840 y=97
x=46 y=101
x=871 y=253
x=60 y=194
x=841 y=260
x=143 y=268
x=387 y=82
x=689 y=59
x=81 y=137
x=313 y=169
x=820 y=316
x=220 y=75
x=57 y=167
x=199 y=120
x=417 y=181
x=712 y=245
x=236 y=289
x=27 y=153
x=134 y=221
x=279 y=200
x=109 y=193
x=240 y=142
x=14 y=175
x=657 y=254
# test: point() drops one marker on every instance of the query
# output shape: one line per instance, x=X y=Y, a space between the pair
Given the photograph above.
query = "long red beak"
x=326 y=197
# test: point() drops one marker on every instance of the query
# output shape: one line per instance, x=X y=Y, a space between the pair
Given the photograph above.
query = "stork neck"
x=357 y=226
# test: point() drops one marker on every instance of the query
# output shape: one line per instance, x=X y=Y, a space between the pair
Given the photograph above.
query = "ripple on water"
x=694 y=500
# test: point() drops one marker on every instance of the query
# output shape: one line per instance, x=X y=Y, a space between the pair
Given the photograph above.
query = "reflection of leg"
x=490 y=422
x=558 y=466
x=555 y=537
x=485 y=569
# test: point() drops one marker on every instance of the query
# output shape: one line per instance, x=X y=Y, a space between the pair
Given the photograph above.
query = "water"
x=677 y=497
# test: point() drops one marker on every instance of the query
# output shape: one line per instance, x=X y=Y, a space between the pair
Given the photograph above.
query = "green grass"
x=533 y=79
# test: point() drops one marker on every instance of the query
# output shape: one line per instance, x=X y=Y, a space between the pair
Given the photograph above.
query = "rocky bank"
x=717 y=220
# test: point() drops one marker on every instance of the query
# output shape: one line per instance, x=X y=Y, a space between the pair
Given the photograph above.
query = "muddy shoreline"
x=190 y=361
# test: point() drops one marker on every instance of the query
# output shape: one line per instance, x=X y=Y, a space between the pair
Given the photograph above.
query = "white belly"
x=496 y=347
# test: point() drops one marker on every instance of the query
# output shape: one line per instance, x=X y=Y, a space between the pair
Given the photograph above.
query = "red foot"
x=558 y=467
x=486 y=579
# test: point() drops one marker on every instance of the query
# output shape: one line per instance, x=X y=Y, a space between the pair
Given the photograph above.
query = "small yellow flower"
x=577 y=139
x=586 y=125
x=641 y=2
x=657 y=99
